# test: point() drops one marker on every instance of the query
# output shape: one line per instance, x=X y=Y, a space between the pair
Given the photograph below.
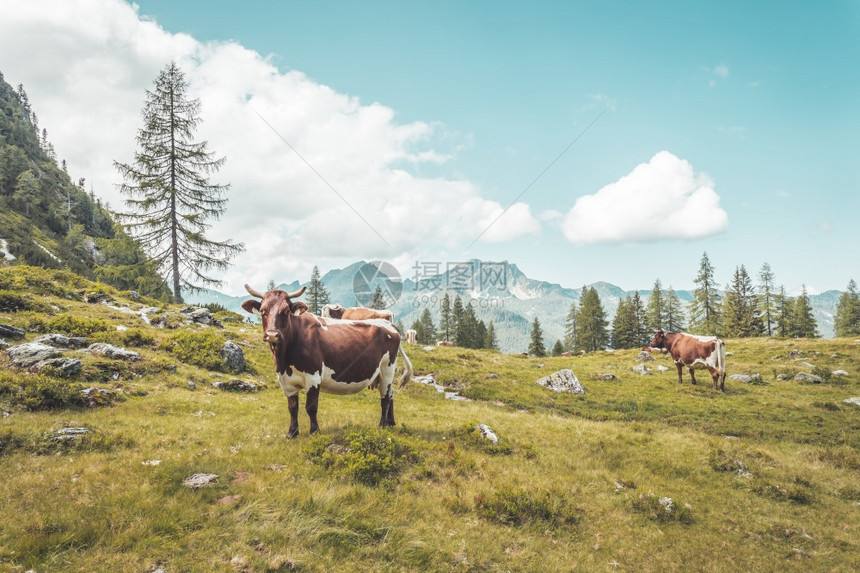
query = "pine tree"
x=741 y=317
x=170 y=195
x=784 y=311
x=491 y=341
x=674 y=312
x=536 y=347
x=570 y=328
x=419 y=331
x=641 y=333
x=766 y=299
x=804 y=325
x=480 y=334
x=445 y=317
x=557 y=348
x=378 y=302
x=655 y=312
x=623 y=325
x=591 y=323
x=847 y=319
x=456 y=320
x=27 y=192
x=468 y=333
x=316 y=293
x=428 y=329
x=704 y=310
x=270 y=285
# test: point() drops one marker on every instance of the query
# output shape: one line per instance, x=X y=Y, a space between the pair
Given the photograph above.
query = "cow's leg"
x=716 y=376
x=680 y=373
x=692 y=375
x=311 y=404
x=386 y=407
x=293 y=405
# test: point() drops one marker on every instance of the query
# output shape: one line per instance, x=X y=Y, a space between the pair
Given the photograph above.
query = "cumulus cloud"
x=662 y=199
x=292 y=145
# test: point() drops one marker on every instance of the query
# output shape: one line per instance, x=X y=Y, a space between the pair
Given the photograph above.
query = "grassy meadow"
x=638 y=474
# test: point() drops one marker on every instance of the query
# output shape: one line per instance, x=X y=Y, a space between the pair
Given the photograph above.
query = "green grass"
x=761 y=477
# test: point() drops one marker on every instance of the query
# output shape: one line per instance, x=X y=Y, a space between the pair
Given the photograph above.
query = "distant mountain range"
x=499 y=291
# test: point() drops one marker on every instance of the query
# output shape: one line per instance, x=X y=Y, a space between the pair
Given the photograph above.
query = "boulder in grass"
x=64 y=366
x=94 y=397
x=642 y=369
x=806 y=377
x=199 y=480
x=111 y=351
x=61 y=341
x=839 y=373
x=9 y=331
x=233 y=356
x=236 y=385
x=562 y=381
x=644 y=356
x=487 y=433
x=31 y=353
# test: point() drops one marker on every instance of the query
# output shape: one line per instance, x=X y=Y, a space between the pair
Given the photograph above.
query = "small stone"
x=855 y=400
x=199 y=480
x=644 y=356
x=642 y=369
x=111 y=351
x=98 y=397
x=61 y=341
x=839 y=373
x=804 y=377
x=236 y=385
x=562 y=381
x=606 y=376
x=487 y=433
x=68 y=434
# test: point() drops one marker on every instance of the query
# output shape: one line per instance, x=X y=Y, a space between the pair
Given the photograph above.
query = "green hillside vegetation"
x=51 y=222
x=639 y=473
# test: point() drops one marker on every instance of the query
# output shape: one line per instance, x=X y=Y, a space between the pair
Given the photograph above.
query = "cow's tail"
x=721 y=363
x=407 y=365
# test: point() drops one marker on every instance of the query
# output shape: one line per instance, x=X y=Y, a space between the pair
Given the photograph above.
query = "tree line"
x=744 y=309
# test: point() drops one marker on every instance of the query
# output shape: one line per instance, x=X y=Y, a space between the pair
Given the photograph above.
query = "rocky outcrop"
x=111 y=351
x=61 y=341
x=810 y=378
x=233 y=356
x=13 y=332
x=562 y=381
x=236 y=385
x=31 y=353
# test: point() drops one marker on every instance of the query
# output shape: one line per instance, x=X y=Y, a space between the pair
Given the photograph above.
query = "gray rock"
x=31 y=353
x=111 y=351
x=562 y=381
x=644 y=356
x=192 y=385
x=662 y=368
x=236 y=385
x=97 y=297
x=747 y=378
x=807 y=365
x=9 y=331
x=642 y=369
x=805 y=377
x=606 y=376
x=133 y=295
x=199 y=480
x=62 y=341
x=782 y=377
x=65 y=366
x=839 y=373
x=69 y=434
x=855 y=400
x=98 y=397
x=200 y=315
x=487 y=433
x=794 y=353
x=233 y=356
x=3 y=344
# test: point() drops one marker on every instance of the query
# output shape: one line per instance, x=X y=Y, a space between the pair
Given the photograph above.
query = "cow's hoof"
x=291 y=435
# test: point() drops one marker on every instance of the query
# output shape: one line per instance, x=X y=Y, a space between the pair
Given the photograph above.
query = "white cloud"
x=721 y=71
x=662 y=199
x=87 y=64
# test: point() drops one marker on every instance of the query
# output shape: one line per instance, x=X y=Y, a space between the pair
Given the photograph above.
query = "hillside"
x=510 y=302
x=47 y=220
x=639 y=473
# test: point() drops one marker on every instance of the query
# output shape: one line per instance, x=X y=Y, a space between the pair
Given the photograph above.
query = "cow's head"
x=659 y=340
x=276 y=311
x=332 y=311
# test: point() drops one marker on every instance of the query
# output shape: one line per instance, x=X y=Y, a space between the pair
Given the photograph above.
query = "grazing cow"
x=355 y=313
x=444 y=343
x=323 y=355
x=694 y=352
x=409 y=336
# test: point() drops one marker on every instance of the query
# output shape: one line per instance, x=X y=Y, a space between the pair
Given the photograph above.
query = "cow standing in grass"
x=694 y=352
x=318 y=354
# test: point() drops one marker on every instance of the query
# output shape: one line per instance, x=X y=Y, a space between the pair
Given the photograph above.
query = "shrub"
x=73 y=326
x=40 y=392
x=134 y=337
x=365 y=455
x=201 y=349
x=12 y=302
x=472 y=436
x=663 y=509
x=822 y=372
x=521 y=506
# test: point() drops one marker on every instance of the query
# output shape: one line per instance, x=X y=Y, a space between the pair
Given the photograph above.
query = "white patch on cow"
x=291 y=384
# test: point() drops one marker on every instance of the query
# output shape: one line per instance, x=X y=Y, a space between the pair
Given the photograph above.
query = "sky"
x=583 y=141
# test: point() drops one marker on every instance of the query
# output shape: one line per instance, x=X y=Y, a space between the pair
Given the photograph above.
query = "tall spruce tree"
x=674 y=312
x=378 y=301
x=705 y=308
x=169 y=194
x=740 y=311
x=640 y=320
x=468 y=333
x=767 y=304
x=591 y=333
x=445 y=317
x=655 y=311
x=623 y=327
x=570 y=328
x=804 y=325
x=557 y=348
x=456 y=320
x=316 y=294
x=536 y=346
x=847 y=319
x=428 y=329
x=491 y=341
x=784 y=312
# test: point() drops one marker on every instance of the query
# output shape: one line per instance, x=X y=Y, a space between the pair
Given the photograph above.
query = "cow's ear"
x=252 y=306
x=299 y=308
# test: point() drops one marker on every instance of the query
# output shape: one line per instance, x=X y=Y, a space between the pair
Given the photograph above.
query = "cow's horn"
x=252 y=292
x=297 y=293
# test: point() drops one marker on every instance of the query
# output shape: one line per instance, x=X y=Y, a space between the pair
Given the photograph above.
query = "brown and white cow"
x=355 y=313
x=694 y=352
x=410 y=336
x=318 y=354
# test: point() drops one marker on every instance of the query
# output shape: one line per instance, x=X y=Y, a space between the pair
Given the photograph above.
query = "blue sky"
x=749 y=112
